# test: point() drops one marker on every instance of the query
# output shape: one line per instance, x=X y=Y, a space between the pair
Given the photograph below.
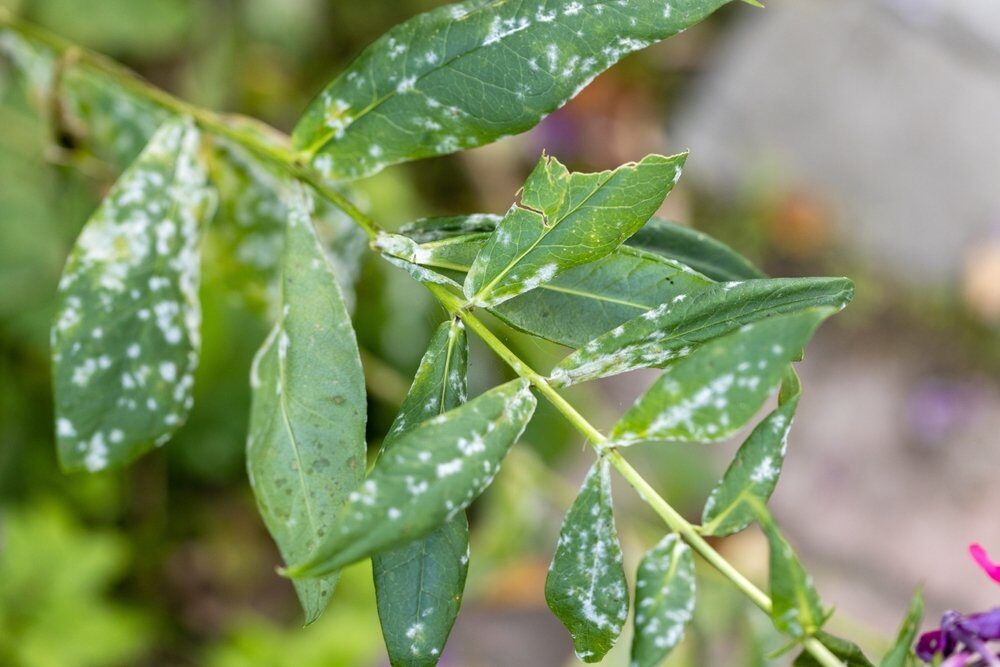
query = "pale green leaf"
x=755 y=469
x=126 y=333
x=664 y=600
x=695 y=249
x=586 y=587
x=243 y=246
x=848 y=652
x=901 y=653
x=419 y=585
x=711 y=393
x=35 y=60
x=467 y=74
x=676 y=328
x=564 y=220
x=430 y=475
x=306 y=446
x=795 y=606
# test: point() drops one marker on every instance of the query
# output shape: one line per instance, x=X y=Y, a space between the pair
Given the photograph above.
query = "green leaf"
x=664 y=600
x=849 y=652
x=467 y=74
x=431 y=474
x=564 y=220
x=901 y=653
x=695 y=249
x=443 y=227
x=126 y=333
x=582 y=302
x=586 y=587
x=755 y=469
x=711 y=393
x=419 y=585
x=243 y=246
x=676 y=328
x=306 y=447
x=795 y=606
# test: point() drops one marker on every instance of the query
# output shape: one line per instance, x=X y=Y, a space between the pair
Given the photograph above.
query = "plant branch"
x=674 y=520
x=285 y=158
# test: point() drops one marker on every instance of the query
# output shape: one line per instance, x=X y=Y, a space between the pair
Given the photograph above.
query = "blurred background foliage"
x=166 y=563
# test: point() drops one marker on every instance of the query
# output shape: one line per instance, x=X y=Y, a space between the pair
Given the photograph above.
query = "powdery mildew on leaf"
x=795 y=606
x=419 y=585
x=586 y=587
x=756 y=467
x=428 y=477
x=664 y=600
x=676 y=328
x=306 y=447
x=711 y=393
x=467 y=74
x=126 y=333
x=564 y=220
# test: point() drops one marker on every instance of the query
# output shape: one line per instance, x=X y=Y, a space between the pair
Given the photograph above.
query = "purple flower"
x=962 y=638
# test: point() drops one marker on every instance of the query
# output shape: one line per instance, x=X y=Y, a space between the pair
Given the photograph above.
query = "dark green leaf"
x=126 y=333
x=795 y=606
x=695 y=249
x=586 y=587
x=419 y=585
x=676 y=328
x=430 y=475
x=756 y=467
x=664 y=600
x=564 y=220
x=901 y=653
x=467 y=74
x=711 y=393
x=848 y=652
x=306 y=447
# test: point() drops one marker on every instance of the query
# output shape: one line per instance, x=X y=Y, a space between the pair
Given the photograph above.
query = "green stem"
x=295 y=165
x=665 y=510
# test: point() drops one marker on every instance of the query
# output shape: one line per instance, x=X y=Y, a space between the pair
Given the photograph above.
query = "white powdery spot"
x=64 y=428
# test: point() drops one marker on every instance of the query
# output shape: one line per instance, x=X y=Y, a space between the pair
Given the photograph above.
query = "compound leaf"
x=467 y=74
x=586 y=587
x=126 y=333
x=419 y=585
x=664 y=600
x=306 y=446
x=564 y=220
x=676 y=328
x=430 y=475
x=756 y=467
x=711 y=393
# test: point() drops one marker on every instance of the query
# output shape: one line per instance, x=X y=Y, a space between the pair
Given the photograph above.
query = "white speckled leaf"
x=246 y=237
x=430 y=475
x=467 y=74
x=756 y=467
x=126 y=333
x=306 y=447
x=419 y=585
x=586 y=587
x=795 y=606
x=711 y=393
x=564 y=220
x=676 y=328
x=664 y=600
x=695 y=249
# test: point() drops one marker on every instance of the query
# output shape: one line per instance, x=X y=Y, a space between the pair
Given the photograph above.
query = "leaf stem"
x=674 y=520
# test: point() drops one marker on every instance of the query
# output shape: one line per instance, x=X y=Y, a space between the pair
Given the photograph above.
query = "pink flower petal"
x=989 y=567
